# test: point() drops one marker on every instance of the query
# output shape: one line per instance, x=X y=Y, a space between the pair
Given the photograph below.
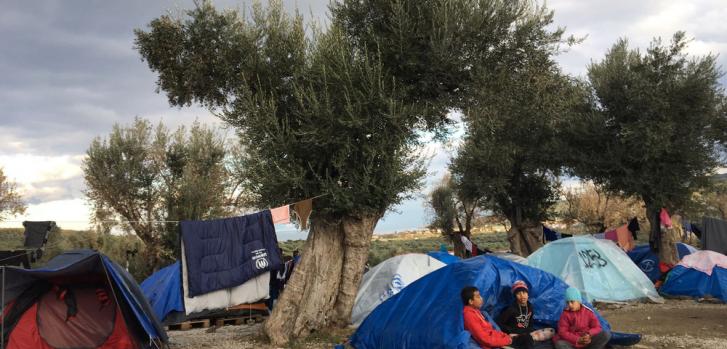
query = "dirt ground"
x=674 y=324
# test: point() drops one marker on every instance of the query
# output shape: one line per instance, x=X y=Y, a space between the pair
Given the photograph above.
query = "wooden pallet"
x=187 y=325
x=249 y=320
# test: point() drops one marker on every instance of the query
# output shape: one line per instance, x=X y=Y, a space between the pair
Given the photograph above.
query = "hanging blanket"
x=223 y=253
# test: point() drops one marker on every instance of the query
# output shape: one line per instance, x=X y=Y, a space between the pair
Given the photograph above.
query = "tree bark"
x=525 y=238
x=321 y=291
x=668 y=236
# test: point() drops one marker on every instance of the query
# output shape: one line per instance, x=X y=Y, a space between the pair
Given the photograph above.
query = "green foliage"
x=655 y=125
x=442 y=203
x=316 y=115
x=142 y=176
x=453 y=207
x=512 y=152
x=11 y=238
x=439 y=49
x=11 y=203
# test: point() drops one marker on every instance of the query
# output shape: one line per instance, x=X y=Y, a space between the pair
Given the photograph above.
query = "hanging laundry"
x=664 y=218
x=467 y=243
x=303 y=209
x=281 y=215
x=611 y=235
x=625 y=240
x=634 y=227
x=550 y=235
x=655 y=234
x=714 y=235
x=223 y=253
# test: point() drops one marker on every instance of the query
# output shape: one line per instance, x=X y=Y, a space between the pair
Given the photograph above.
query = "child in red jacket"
x=474 y=322
x=578 y=326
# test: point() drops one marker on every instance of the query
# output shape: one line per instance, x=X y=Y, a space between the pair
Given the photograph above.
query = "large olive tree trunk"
x=669 y=236
x=321 y=291
x=525 y=236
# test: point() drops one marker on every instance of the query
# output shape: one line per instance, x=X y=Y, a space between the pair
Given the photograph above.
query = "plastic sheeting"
x=428 y=313
x=597 y=267
x=510 y=257
x=648 y=261
x=389 y=278
x=163 y=289
x=684 y=250
x=700 y=274
x=444 y=257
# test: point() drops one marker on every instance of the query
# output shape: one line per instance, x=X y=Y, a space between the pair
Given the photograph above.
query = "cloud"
x=604 y=22
x=44 y=178
x=69 y=72
x=68 y=214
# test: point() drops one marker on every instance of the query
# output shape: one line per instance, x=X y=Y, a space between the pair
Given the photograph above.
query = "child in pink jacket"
x=578 y=326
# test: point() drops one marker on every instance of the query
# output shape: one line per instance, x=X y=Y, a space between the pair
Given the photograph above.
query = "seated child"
x=474 y=322
x=578 y=326
x=517 y=321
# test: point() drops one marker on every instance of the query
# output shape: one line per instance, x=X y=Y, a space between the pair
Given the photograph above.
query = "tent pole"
x=2 y=302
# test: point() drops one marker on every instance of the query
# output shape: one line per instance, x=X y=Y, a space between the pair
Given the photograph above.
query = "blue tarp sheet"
x=684 y=249
x=224 y=253
x=684 y=281
x=428 y=313
x=163 y=289
x=443 y=257
x=648 y=261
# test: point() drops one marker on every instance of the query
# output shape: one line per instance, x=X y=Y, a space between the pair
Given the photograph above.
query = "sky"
x=69 y=72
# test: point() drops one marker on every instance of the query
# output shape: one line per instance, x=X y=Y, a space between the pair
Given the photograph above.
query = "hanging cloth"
x=281 y=215
x=634 y=227
x=664 y=218
x=655 y=234
x=303 y=209
x=625 y=240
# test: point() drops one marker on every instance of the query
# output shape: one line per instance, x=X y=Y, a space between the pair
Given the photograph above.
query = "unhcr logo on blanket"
x=260 y=258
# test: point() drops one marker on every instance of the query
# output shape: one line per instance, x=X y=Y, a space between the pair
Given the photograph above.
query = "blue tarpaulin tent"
x=648 y=261
x=428 y=313
x=163 y=289
x=684 y=250
x=700 y=274
x=597 y=267
x=443 y=257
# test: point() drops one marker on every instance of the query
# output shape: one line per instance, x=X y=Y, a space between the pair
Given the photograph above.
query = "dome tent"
x=699 y=274
x=83 y=299
x=387 y=279
x=428 y=313
x=597 y=267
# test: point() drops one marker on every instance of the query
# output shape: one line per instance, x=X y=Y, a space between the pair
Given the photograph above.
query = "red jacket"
x=573 y=324
x=482 y=332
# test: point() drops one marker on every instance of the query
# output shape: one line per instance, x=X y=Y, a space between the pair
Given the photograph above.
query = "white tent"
x=597 y=267
x=509 y=257
x=387 y=279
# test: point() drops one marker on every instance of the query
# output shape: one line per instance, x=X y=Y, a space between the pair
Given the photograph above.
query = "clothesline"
x=145 y=221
